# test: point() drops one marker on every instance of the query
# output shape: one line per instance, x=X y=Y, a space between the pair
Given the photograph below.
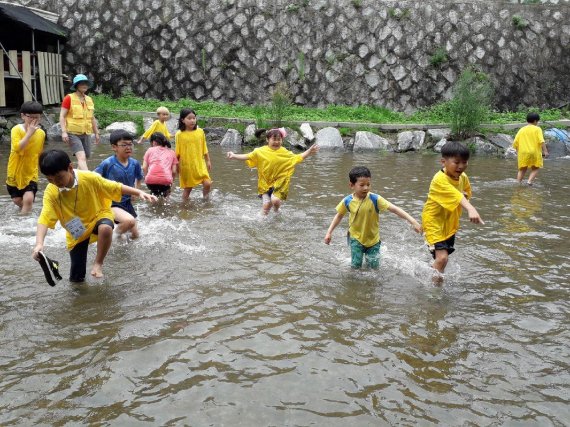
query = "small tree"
x=280 y=102
x=471 y=102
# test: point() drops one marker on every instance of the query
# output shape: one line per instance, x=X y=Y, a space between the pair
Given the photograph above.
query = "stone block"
x=329 y=138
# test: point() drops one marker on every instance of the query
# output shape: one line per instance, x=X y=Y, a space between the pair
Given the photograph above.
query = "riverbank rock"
x=437 y=147
x=307 y=132
x=501 y=140
x=54 y=133
x=294 y=139
x=249 y=137
x=130 y=127
x=329 y=138
x=480 y=146
x=232 y=138
x=214 y=135
x=556 y=148
x=410 y=140
x=510 y=153
x=370 y=141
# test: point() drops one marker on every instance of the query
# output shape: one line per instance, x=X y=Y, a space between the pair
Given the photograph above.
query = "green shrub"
x=519 y=22
x=471 y=102
x=438 y=58
x=280 y=103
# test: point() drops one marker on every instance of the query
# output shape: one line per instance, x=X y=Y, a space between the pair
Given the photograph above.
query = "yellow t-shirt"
x=274 y=169
x=23 y=164
x=363 y=219
x=90 y=201
x=157 y=126
x=528 y=143
x=190 y=149
x=440 y=216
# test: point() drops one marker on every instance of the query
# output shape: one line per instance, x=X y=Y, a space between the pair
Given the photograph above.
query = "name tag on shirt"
x=75 y=227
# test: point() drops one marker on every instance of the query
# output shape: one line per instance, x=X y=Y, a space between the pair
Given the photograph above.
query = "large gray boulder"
x=370 y=141
x=411 y=140
x=437 y=147
x=293 y=139
x=307 y=132
x=556 y=148
x=502 y=140
x=54 y=133
x=232 y=138
x=249 y=134
x=481 y=146
x=130 y=127
x=510 y=153
x=214 y=135
x=329 y=138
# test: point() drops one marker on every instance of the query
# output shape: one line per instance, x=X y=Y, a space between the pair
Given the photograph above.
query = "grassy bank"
x=437 y=114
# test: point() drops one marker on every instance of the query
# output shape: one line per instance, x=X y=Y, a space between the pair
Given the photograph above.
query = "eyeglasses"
x=35 y=117
x=124 y=145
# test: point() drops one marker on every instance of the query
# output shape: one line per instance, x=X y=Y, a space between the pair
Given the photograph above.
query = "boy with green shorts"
x=364 y=208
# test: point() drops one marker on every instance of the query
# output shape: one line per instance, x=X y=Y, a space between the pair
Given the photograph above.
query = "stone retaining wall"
x=402 y=55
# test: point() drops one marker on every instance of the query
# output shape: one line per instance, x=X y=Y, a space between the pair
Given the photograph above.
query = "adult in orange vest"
x=77 y=120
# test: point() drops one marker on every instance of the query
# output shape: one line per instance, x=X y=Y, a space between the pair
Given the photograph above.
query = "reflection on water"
x=217 y=316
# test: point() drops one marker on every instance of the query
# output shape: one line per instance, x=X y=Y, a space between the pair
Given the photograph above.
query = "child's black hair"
x=183 y=113
x=160 y=139
x=54 y=161
x=31 y=107
x=120 y=134
x=532 y=117
x=358 y=172
x=455 y=149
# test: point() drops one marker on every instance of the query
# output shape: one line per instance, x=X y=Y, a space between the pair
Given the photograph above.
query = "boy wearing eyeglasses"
x=27 y=144
x=121 y=167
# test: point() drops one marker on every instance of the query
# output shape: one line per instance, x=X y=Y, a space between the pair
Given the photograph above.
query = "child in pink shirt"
x=159 y=165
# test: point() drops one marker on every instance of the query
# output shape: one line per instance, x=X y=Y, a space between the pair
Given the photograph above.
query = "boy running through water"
x=363 y=208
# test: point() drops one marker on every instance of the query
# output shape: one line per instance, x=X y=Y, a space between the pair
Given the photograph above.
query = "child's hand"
x=209 y=165
x=474 y=216
x=417 y=227
x=230 y=154
x=38 y=248
x=148 y=197
x=328 y=238
x=33 y=126
x=314 y=148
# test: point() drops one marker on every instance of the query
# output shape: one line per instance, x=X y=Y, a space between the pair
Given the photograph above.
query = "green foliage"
x=470 y=105
x=357 y=3
x=438 y=58
x=204 y=60
x=399 y=14
x=519 y=22
x=280 y=102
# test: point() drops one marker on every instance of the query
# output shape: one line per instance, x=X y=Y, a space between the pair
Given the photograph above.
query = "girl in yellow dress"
x=192 y=153
x=530 y=146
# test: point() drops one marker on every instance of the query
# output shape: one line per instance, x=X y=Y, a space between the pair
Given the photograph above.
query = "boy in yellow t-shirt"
x=27 y=144
x=530 y=146
x=81 y=202
x=364 y=208
x=275 y=166
x=159 y=125
x=449 y=192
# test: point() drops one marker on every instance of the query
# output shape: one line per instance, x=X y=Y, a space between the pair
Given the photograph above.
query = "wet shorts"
x=266 y=197
x=80 y=143
x=358 y=251
x=445 y=245
x=15 y=193
x=78 y=254
x=127 y=206
x=159 y=190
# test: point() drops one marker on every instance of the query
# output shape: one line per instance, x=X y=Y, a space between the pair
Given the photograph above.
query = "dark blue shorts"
x=126 y=206
x=78 y=254
x=445 y=245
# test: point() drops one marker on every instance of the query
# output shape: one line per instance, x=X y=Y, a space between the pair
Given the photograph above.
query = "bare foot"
x=97 y=271
x=134 y=233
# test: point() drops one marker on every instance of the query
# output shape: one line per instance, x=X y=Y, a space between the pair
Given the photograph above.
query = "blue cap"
x=81 y=78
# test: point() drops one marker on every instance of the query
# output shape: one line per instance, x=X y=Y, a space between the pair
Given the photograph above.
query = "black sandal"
x=50 y=268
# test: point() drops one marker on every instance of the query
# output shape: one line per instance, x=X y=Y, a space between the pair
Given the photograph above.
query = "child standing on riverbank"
x=192 y=153
x=159 y=165
x=449 y=192
x=27 y=142
x=121 y=167
x=363 y=208
x=530 y=146
x=81 y=202
x=275 y=166
x=159 y=125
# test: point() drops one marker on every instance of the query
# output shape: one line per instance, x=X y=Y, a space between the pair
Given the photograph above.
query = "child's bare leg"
x=276 y=202
x=18 y=201
x=126 y=222
x=266 y=208
x=520 y=174
x=206 y=186
x=81 y=160
x=186 y=194
x=104 y=240
x=439 y=264
x=27 y=202
x=533 y=174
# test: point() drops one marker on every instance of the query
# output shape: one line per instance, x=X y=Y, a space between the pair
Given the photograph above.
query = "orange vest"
x=78 y=119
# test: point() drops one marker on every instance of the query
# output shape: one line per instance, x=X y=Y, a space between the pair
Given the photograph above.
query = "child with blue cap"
x=77 y=120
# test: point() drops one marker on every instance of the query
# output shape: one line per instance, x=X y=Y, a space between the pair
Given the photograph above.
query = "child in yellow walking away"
x=449 y=192
x=159 y=125
x=27 y=144
x=275 y=166
x=363 y=208
x=530 y=146
x=81 y=202
x=192 y=152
